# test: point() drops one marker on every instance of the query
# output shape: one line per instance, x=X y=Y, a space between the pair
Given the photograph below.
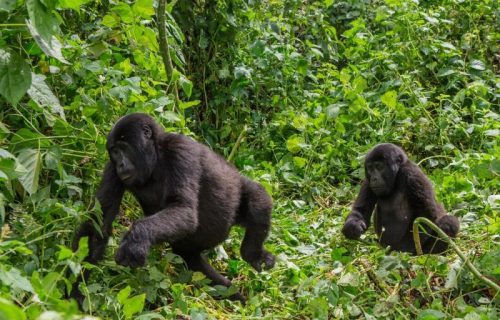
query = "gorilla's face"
x=132 y=149
x=382 y=166
x=381 y=176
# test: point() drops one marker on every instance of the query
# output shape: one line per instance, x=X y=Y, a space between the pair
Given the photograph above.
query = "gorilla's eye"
x=379 y=166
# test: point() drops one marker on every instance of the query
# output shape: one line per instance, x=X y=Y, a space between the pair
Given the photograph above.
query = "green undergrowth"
x=294 y=93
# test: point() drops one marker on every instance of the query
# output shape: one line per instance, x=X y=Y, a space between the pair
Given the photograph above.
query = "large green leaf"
x=44 y=27
x=31 y=160
x=133 y=305
x=13 y=278
x=43 y=96
x=8 y=5
x=72 y=4
x=10 y=311
x=15 y=76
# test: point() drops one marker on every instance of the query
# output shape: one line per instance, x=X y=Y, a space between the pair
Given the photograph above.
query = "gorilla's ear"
x=400 y=158
x=148 y=132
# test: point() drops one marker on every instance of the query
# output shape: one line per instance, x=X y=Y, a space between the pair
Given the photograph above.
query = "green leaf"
x=43 y=96
x=111 y=20
x=10 y=311
x=15 y=76
x=83 y=248
x=64 y=253
x=295 y=143
x=189 y=104
x=15 y=279
x=389 y=98
x=43 y=26
x=186 y=84
x=300 y=162
x=144 y=8
x=31 y=160
x=8 y=5
x=123 y=294
x=477 y=65
x=72 y=4
x=124 y=11
x=134 y=305
x=430 y=314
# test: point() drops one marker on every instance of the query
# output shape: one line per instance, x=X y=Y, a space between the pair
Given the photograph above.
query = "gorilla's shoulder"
x=177 y=142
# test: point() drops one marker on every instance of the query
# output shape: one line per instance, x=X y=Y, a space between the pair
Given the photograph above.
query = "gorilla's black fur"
x=191 y=198
x=401 y=193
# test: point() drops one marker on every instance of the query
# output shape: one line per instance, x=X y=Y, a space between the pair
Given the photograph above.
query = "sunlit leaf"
x=72 y=4
x=10 y=311
x=123 y=294
x=31 y=160
x=389 y=98
x=44 y=28
x=43 y=96
x=13 y=278
x=134 y=305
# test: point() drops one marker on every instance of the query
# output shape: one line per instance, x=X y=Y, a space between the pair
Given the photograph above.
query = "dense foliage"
x=294 y=93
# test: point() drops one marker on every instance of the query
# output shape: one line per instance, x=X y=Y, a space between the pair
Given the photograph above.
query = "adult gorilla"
x=190 y=195
x=401 y=192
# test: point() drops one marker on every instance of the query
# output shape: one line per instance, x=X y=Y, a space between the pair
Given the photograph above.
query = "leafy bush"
x=294 y=93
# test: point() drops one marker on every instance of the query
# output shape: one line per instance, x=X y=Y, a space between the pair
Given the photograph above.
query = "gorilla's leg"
x=197 y=262
x=450 y=226
x=255 y=215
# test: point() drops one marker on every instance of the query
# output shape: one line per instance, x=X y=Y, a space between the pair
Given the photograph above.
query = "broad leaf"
x=8 y=5
x=186 y=84
x=72 y=4
x=389 y=98
x=134 y=305
x=44 y=27
x=31 y=160
x=15 y=279
x=43 y=96
x=15 y=76
x=123 y=294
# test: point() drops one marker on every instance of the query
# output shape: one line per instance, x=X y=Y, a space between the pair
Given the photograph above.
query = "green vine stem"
x=164 y=47
x=446 y=238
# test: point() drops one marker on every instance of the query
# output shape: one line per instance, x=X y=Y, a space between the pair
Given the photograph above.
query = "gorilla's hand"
x=132 y=251
x=354 y=228
x=449 y=224
x=97 y=241
x=259 y=258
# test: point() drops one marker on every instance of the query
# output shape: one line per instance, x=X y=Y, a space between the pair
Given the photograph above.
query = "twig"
x=446 y=238
x=164 y=48
x=237 y=144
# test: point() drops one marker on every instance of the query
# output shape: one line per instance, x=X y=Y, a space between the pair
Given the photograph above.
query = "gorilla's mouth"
x=125 y=177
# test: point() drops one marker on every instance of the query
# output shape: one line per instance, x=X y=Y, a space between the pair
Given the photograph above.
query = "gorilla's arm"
x=423 y=201
x=420 y=192
x=359 y=219
x=177 y=220
x=110 y=195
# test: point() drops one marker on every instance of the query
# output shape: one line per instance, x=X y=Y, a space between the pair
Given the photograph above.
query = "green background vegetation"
x=306 y=88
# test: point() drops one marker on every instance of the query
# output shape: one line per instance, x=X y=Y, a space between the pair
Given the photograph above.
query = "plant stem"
x=164 y=48
x=237 y=144
x=446 y=238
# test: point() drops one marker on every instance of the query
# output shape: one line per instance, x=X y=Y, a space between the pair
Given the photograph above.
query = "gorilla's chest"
x=393 y=217
x=152 y=197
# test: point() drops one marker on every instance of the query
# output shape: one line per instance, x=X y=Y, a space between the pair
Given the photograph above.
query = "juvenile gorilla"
x=401 y=192
x=191 y=198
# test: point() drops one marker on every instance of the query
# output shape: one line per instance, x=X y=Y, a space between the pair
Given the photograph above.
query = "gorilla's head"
x=132 y=147
x=381 y=167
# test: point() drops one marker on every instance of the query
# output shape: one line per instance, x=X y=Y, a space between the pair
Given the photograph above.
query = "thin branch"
x=164 y=47
x=446 y=238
